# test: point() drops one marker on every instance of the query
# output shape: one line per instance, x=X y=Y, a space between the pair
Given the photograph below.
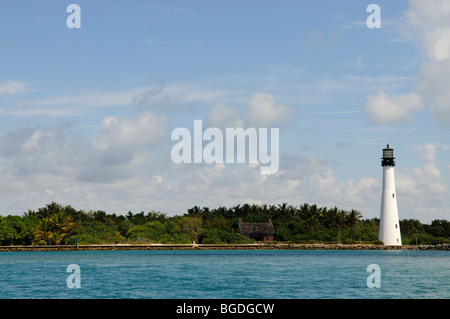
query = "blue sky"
x=86 y=114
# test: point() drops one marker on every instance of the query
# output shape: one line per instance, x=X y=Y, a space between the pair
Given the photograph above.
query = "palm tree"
x=353 y=218
x=43 y=233
x=312 y=222
x=336 y=219
x=304 y=210
x=339 y=222
x=55 y=228
x=196 y=210
x=415 y=228
x=48 y=210
x=312 y=216
x=329 y=216
x=62 y=225
x=414 y=232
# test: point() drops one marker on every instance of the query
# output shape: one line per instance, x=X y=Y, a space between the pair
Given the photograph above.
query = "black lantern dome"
x=388 y=158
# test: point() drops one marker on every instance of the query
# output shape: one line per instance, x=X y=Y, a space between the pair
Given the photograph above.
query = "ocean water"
x=278 y=274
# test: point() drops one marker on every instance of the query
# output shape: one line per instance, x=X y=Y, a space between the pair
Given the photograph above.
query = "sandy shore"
x=223 y=247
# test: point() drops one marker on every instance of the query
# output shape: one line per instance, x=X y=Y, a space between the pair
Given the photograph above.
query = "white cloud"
x=429 y=172
x=121 y=138
x=429 y=23
x=431 y=20
x=167 y=98
x=264 y=111
x=223 y=116
x=160 y=97
x=90 y=99
x=40 y=165
x=383 y=109
x=13 y=87
x=429 y=152
x=425 y=186
x=433 y=83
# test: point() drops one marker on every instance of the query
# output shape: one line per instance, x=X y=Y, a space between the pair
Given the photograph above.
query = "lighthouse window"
x=393 y=195
x=396 y=226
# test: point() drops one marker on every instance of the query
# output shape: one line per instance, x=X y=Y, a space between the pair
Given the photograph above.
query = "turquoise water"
x=226 y=274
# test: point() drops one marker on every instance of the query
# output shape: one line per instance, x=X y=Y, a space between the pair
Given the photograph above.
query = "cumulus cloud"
x=429 y=152
x=429 y=175
x=222 y=115
x=429 y=23
x=431 y=20
x=160 y=97
x=421 y=190
x=433 y=83
x=121 y=138
x=384 y=109
x=117 y=151
x=48 y=163
x=39 y=165
x=262 y=111
x=429 y=172
x=305 y=180
x=44 y=164
x=176 y=97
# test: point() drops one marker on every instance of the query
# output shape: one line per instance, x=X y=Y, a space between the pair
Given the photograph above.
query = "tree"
x=312 y=223
x=96 y=232
x=414 y=231
x=412 y=227
x=353 y=218
x=336 y=219
x=196 y=210
x=48 y=210
x=54 y=228
x=440 y=228
x=152 y=231
x=43 y=232
x=219 y=222
x=191 y=226
x=17 y=230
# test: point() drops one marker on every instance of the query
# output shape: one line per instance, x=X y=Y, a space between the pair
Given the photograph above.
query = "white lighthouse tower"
x=389 y=226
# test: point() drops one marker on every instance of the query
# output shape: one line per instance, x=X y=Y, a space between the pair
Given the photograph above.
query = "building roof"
x=256 y=228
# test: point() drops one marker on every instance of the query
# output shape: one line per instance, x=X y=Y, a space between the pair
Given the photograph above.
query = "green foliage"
x=177 y=239
x=307 y=223
x=220 y=236
x=56 y=223
x=96 y=232
x=189 y=226
x=16 y=230
x=151 y=232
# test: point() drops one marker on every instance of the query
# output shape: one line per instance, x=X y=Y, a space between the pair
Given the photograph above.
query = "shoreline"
x=261 y=246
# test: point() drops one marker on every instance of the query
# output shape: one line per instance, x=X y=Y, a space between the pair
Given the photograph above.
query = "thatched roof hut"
x=257 y=231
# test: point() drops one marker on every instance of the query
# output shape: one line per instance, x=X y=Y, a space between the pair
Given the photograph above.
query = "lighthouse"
x=389 y=226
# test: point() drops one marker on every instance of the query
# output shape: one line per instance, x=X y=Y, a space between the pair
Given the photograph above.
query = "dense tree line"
x=56 y=224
